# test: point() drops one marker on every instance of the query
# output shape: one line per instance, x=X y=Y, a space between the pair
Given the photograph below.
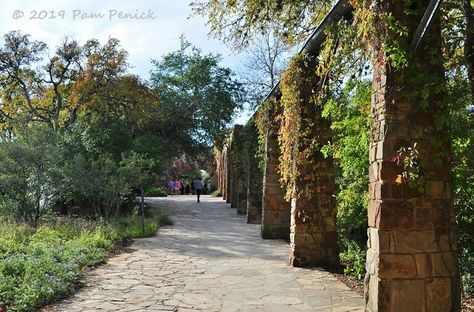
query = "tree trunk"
x=117 y=209
x=469 y=42
x=38 y=207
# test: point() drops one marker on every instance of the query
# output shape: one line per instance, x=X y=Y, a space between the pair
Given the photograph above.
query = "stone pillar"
x=226 y=175
x=234 y=164
x=412 y=256
x=254 y=176
x=221 y=172
x=242 y=195
x=217 y=173
x=240 y=163
x=275 y=210
x=313 y=233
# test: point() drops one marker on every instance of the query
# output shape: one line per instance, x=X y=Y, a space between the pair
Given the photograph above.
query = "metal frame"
x=425 y=23
x=343 y=9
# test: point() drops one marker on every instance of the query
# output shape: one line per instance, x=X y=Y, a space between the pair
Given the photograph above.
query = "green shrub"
x=155 y=192
x=353 y=257
x=131 y=227
x=466 y=264
x=164 y=219
x=40 y=265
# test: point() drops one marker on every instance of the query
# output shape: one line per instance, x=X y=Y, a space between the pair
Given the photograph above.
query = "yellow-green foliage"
x=302 y=128
x=39 y=265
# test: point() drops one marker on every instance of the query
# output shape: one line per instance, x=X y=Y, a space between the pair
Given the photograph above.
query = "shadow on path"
x=209 y=260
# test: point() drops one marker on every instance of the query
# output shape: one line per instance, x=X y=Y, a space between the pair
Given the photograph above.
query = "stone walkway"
x=209 y=260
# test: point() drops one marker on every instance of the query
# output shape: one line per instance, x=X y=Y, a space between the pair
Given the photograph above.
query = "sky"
x=147 y=29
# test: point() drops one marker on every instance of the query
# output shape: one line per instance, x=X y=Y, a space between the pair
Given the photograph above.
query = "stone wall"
x=226 y=175
x=233 y=166
x=275 y=210
x=254 y=175
x=412 y=257
x=313 y=233
x=412 y=252
x=230 y=170
x=239 y=170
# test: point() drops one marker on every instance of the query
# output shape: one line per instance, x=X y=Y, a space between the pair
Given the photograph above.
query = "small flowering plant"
x=408 y=159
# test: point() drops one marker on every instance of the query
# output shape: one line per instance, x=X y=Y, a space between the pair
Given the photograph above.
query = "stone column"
x=226 y=175
x=275 y=210
x=240 y=151
x=412 y=256
x=221 y=173
x=254 y=176
x=218 y=171
x=234 y=161
x=313 y=233
x=242 y=195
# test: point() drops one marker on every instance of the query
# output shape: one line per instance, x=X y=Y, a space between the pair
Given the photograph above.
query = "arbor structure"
x=412 y=237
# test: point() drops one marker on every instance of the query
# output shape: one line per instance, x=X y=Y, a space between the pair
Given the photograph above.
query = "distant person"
x=205 y=189
x=171 y=186
x=187 y=189
x=181 y=190
x=198 y=187
x=177 y=186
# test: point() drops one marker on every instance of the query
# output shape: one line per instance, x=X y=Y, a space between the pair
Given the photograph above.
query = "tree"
x=19 y=82
x=469 y=41
x=198 y=98
x=237 y=22
x=264 y=64
x=29 y=178
x=54 y=90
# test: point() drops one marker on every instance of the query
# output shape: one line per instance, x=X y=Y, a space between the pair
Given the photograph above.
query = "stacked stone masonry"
x=234 y=168
x=254 y=176
x=239 y=154
x=313 y=238
x=227 y=175
x=412 y=253
x=275 y=209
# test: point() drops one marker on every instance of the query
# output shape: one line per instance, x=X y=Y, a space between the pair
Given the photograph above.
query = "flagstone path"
x=209 y=260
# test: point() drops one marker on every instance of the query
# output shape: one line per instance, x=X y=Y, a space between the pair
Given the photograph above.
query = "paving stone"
x=209 y=260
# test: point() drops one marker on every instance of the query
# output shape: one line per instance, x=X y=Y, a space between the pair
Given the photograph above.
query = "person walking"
x=177 y=186
x=171 y=186
x=198 y=186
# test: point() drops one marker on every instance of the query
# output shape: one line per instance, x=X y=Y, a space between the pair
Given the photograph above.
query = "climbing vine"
x=378 y=35
x=267 y=122
x=379 y=30
x=412 y=173
x=237 y=157
x=300 y=134
x=291 y=85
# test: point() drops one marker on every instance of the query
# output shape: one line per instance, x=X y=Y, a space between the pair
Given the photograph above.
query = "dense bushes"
x=350 y=115
x=153 y=191
x=463 y=166
x=39 y=265
x=80 y=136
x=42 y=168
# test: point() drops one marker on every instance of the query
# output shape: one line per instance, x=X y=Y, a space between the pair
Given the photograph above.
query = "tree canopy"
x=198 y=97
